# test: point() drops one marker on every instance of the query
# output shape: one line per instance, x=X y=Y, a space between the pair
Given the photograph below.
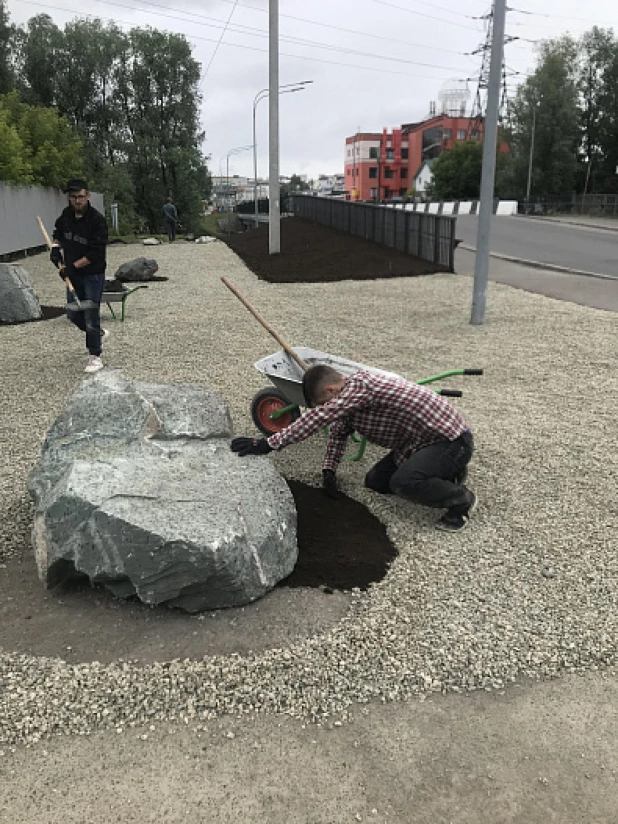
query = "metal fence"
x=427 y=236
x=19 y=207
x=591 y=204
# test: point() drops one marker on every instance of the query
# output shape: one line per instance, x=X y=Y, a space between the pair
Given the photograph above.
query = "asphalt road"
x=577 y=247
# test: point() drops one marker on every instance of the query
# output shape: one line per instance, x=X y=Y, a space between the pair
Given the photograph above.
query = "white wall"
x=19 y=208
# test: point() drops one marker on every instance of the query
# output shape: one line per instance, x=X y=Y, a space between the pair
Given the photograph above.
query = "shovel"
x=66 y=279
x=303 y=365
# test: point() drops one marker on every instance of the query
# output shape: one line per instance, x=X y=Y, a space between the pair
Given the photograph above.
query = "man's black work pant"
x=89 y=290
x=429 y=476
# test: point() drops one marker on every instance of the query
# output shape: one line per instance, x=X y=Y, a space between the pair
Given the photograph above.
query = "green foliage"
x=296 y=184
x=6 y=38
x=133 y=99
x=457 y=173
x=39 y=147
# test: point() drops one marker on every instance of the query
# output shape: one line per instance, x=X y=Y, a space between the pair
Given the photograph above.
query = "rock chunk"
x=18 y=300
x=137 y=270
x=137 y=489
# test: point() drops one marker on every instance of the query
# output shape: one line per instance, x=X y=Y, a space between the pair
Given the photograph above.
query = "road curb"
x=569 y=222
x=537 y=264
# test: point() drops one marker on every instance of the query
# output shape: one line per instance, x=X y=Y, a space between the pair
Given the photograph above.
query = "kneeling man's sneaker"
x=94 y=364
x=457 y=518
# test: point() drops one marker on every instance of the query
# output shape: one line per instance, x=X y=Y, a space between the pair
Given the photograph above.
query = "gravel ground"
x=528 y=589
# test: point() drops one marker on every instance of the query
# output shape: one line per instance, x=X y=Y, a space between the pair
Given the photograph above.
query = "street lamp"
x=234 y=151
x=288 y=88
x=534 y=108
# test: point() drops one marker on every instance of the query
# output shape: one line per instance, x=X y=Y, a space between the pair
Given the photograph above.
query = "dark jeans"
x=89 y=289
x=170 y=226
x=428 y=476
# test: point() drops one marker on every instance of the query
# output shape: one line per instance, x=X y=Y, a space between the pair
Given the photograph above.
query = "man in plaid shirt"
x=430 y=443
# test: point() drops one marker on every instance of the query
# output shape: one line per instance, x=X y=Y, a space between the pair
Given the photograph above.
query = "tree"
x=457 y=172
x=38 y=65
x=44 y=147
x=549 y=99
x=6 y=37
x=295 y=185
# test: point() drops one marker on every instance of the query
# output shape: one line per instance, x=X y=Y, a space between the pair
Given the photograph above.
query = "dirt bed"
x=316 y=254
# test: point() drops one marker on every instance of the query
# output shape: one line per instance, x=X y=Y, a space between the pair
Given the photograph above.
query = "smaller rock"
x=151 y=241
x=206 y=239
x=137 y=270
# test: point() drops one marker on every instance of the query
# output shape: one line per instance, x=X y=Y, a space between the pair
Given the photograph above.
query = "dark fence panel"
x=427 y=236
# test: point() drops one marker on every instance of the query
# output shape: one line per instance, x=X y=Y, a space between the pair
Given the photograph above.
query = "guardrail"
x=427 y=236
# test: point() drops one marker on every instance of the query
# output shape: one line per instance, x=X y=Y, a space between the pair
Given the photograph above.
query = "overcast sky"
x=373 y=63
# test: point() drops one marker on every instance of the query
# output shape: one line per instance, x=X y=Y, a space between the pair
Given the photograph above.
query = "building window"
x=474 y=135
x=373 y=171
x=387 y=193
x=373 y=152
x=404 y=154
x=402 y=192
x=447 y=134
x=388 y=173
x=373 y=193
x=461 y=134
x=404 y=171
x=390 y=154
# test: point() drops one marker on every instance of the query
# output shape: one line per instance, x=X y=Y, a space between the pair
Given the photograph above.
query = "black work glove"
x=250 y=446
x=55 y=255
x=330 y=484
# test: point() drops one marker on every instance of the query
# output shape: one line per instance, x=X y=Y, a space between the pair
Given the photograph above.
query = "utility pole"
x=490 y=144
x=274 y=219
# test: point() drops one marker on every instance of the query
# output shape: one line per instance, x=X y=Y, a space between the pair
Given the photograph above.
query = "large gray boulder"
x=18 y=300
x=137 y=489
x=137 y=270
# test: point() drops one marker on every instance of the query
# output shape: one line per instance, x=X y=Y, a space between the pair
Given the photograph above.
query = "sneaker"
x=94 y=364
x=104 y=335
x=456 y=521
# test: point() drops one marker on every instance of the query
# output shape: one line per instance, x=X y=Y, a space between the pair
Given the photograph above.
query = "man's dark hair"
x=316 y=378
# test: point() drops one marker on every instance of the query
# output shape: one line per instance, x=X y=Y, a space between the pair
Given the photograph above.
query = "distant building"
x=382 y=166
x=331 y=185
x=423 y=177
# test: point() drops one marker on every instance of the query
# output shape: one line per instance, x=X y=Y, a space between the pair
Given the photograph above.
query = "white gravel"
x=529 y=589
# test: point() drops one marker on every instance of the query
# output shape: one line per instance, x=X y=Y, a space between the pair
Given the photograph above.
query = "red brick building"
x=383 y=166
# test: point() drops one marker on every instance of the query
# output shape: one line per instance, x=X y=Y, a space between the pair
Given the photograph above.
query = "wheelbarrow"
x=276 y=407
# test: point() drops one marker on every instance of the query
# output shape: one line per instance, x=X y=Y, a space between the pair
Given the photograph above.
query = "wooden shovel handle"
x=49 y=245
x=304 y=366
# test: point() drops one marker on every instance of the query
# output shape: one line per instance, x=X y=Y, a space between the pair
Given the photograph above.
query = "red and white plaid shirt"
x=388 y=411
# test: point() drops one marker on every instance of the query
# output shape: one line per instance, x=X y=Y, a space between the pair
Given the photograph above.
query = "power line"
x=291 y=40
x=218 y=44
x=560 y=17
x=246 y=47
x=148 y=3
x=428 y=16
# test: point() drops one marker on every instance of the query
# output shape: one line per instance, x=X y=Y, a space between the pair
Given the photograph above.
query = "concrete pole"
x=274 y=219
x=490 y=144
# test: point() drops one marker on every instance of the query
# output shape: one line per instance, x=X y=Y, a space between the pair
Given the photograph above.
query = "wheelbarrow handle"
x=473 y=371
x=450 y=393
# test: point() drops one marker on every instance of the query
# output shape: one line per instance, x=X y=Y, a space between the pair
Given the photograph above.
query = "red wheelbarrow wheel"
x=264 y=404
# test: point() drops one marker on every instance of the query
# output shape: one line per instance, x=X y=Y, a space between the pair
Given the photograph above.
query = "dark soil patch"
x=341 y=546
x=311 y=253
x=48 y=313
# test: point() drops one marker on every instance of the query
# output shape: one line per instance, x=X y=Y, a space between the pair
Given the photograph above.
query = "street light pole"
x=488 y=175
x=531 y=154
x=261 y=95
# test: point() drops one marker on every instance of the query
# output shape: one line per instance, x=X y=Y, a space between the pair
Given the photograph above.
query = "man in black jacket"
x=79 y=245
